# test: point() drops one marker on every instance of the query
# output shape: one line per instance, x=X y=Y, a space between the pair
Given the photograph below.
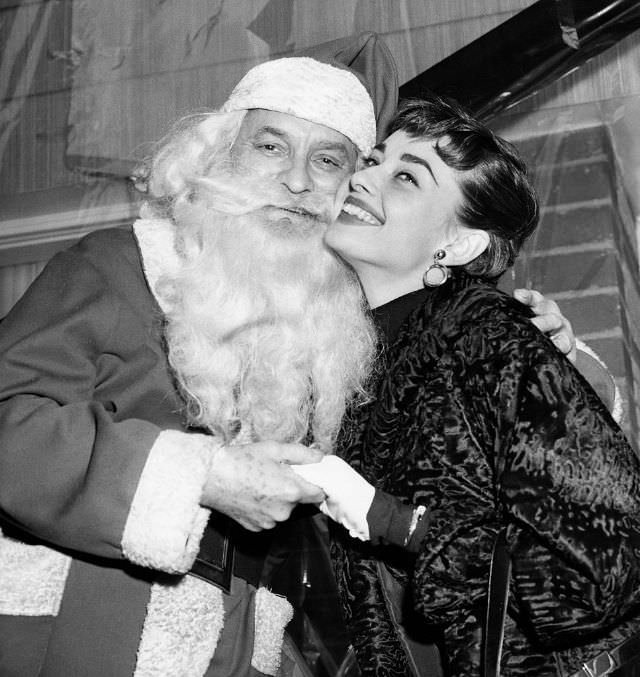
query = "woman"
x=479 y=423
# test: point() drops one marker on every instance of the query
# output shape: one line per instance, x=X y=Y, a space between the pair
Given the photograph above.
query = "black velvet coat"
x=480 y=418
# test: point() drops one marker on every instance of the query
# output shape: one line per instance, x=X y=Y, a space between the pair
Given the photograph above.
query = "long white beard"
x=268 y=333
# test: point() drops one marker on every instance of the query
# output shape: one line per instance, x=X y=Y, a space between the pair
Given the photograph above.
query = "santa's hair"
x=185 y=157
x=268 y=332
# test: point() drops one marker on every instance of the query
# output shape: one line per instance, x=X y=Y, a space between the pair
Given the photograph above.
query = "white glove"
x=349 y=495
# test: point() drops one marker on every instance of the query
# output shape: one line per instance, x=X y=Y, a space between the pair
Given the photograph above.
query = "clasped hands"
x=259 y=485
x=349 y=495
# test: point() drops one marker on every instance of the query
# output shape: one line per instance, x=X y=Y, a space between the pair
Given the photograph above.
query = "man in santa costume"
x=157 y=381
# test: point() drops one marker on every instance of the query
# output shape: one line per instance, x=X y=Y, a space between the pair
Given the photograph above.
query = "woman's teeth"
x=360 y=214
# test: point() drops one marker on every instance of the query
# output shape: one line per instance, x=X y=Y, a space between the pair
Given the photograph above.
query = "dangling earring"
x=437 y=273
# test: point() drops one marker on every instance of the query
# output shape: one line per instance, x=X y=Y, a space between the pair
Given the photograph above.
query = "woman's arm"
x=570 y=484
x=368 y=514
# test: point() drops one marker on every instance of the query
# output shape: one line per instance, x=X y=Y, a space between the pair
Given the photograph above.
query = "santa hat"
x=334 y=84
x=367 y=56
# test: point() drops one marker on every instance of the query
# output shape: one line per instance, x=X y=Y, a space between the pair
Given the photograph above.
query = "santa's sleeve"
x=74 y=471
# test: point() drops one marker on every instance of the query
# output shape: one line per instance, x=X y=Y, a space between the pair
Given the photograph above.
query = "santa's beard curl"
x=267 y=331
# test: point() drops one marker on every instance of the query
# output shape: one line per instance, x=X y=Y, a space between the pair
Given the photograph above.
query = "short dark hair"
x=498 y=196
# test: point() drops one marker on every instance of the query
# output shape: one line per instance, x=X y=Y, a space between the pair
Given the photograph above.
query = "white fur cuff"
x=166 y=520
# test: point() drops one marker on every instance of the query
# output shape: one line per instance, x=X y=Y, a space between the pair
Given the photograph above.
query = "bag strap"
x=498 y=594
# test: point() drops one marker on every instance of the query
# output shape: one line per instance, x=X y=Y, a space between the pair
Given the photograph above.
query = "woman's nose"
x=361 y=180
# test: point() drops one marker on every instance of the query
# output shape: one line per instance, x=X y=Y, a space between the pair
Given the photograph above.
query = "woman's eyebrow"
x=408 y=157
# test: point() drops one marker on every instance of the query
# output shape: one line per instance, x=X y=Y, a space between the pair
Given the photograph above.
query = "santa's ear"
x=468 y=245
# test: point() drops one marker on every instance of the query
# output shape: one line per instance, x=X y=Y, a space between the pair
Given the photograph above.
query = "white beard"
x=267 y=331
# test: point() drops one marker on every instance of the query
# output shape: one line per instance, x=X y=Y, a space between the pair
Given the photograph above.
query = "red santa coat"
x=101 y=480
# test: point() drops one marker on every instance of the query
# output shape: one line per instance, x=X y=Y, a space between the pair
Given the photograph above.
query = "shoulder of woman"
x=478 y=306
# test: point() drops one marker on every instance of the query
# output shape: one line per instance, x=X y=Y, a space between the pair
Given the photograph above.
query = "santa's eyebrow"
x=271 y=130
x=322 y=145
x=334 y=145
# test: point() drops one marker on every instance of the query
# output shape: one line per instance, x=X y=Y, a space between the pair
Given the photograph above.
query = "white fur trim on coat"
x=184 y=623
x=32 y=578
x=181 y=630
x=156 y=240
x=273 y=612
x=166 y=521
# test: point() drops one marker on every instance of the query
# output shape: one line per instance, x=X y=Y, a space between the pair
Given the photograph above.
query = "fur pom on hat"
x=311 y=90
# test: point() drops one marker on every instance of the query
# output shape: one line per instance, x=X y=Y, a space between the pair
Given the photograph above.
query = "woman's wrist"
x=393 y=522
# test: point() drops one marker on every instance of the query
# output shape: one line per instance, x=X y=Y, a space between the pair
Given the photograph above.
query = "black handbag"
x=621 y=661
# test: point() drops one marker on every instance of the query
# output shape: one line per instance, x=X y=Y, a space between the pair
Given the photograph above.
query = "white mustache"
x=315 y=209
x=235 y=196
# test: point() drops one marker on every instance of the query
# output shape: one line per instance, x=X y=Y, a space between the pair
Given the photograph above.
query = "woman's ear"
x=468 y=245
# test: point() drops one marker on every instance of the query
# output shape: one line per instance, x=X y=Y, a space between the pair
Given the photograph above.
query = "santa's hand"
x=349 y=495
x=254 y=483
x=550 y=320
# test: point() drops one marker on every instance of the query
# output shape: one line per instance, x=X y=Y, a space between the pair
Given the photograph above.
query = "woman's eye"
x=366 y=162
x=406 y=177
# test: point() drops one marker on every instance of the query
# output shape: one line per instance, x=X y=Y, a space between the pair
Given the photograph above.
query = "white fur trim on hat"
x=311 y=90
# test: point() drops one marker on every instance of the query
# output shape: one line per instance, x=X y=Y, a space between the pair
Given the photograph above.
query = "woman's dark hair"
x=497 y=194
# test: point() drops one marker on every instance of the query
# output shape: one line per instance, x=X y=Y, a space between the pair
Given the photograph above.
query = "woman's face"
x=397 y=210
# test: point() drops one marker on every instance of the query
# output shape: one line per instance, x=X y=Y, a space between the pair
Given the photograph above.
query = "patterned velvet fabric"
x=481 y=419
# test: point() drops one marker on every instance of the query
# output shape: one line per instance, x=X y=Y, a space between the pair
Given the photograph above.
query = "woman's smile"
x=361 y=211
x=396 y=210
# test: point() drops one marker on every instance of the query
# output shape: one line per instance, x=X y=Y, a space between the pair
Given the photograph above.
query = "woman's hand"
x=349 y=495
x=550 y=320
